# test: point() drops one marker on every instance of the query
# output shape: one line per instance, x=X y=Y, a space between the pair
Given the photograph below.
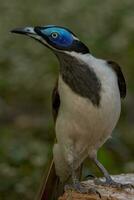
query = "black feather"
x=120 y=76
x=55 y=101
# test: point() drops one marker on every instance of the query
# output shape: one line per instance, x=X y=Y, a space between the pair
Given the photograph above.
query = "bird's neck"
x=79 y=76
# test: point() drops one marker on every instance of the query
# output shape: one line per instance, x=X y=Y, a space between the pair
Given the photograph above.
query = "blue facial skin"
x=58 y=37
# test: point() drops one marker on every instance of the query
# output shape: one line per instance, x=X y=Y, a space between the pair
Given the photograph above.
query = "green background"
x=28 y=72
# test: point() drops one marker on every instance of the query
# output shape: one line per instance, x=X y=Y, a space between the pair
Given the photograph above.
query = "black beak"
x=24 y=31
x=33 y=32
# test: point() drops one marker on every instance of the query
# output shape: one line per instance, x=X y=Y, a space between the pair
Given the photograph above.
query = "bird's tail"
x=51 y=188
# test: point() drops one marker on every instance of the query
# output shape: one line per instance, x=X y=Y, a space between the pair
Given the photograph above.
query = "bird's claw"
x=111 y=183
x=94 y=191
x=80 y=188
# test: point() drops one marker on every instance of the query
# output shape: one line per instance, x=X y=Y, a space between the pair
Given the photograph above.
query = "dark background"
x=27 y=75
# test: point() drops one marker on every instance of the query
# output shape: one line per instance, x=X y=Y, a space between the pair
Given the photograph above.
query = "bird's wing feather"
x=55 y=101
x=120 y=76
x=50 y=185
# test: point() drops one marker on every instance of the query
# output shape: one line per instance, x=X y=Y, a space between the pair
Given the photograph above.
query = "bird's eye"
x=54 y=35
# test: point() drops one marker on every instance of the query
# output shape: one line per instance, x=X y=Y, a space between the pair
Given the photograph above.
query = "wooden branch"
x=107 y=193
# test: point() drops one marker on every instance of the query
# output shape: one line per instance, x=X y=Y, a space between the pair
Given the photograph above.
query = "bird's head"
x=57 y=38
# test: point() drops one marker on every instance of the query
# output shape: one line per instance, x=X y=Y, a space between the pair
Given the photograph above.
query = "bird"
x=86 y=105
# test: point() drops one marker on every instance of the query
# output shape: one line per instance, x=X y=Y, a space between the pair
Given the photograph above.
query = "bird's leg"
x=103 y=170
x=76 y=175
x=109 y=181
x=77 y=185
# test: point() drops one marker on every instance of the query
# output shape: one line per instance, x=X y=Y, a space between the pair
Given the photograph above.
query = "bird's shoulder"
x=120 y=77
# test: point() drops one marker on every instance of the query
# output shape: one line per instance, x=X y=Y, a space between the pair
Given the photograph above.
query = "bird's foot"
x=112 y=183
x=89 y=177
x=80 y=188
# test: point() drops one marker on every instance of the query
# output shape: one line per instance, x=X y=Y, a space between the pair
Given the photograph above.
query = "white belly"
x=81 y=127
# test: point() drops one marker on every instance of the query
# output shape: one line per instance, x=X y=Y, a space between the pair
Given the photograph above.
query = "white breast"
x=80 y=125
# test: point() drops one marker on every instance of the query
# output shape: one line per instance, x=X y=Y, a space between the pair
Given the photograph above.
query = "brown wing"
x=120 y=76
x=50 y=188
x=55 y=101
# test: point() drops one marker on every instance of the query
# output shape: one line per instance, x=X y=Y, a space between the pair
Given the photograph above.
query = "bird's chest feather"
x=80 y=119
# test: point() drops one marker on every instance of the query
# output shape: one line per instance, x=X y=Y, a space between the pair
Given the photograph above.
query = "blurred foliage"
x=27 y=75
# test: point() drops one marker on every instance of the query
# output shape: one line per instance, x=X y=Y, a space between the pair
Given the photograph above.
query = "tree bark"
x=106 y=193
